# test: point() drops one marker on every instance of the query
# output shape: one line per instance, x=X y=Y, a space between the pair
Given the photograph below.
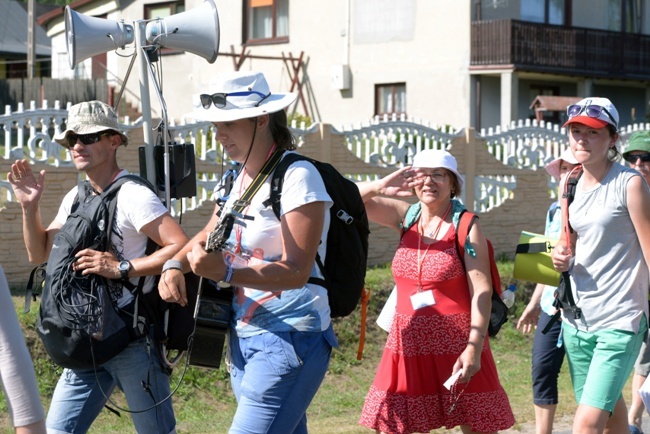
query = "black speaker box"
x=182 y=169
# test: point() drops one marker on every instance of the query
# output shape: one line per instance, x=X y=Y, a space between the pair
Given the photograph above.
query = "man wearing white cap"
x=92 y=137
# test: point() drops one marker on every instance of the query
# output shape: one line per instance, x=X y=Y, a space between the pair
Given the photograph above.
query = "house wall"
x=421 y=43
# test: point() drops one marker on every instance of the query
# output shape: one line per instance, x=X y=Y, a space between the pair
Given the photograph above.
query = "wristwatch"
x=124 y=267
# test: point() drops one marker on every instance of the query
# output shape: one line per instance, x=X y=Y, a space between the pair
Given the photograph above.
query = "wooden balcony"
x=526 y=46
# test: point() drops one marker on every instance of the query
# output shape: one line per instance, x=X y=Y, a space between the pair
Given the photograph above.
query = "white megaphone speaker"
x=88 y=36
x=195 y=31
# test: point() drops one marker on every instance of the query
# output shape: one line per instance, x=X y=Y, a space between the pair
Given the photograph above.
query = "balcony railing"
x=555 y=49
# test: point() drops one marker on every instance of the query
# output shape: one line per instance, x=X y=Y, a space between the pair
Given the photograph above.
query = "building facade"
x=479 y=62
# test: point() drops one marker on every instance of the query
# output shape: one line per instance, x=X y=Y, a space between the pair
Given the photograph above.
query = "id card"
x=422 y=299
x=234 y=260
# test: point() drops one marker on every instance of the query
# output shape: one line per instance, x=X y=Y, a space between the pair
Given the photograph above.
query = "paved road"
x=563 y=426
x=646 y=427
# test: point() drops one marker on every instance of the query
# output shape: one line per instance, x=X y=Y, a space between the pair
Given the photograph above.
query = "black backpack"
x=78 y=323
x=347 y=240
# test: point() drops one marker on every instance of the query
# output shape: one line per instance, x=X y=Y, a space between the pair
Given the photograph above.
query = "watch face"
x=124 y=266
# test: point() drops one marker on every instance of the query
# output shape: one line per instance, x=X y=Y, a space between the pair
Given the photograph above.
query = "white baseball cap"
x=594 y=112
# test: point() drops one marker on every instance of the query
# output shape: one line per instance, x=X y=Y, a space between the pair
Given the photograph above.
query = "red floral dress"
x=408 y=395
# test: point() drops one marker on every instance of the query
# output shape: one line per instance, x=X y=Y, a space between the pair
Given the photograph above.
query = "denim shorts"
x=79 y=394
x=274 y=376
x=600 y=363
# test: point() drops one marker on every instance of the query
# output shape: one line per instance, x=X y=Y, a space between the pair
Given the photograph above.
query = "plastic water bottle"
x=508 y=296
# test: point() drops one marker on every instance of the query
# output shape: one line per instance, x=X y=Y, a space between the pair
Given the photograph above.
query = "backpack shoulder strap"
x=465 y=222
x=570 y=185
x=412 y=215
x=277 y=180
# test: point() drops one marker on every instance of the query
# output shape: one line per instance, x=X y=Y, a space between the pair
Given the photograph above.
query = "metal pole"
x=140 y=41
x=31 y=42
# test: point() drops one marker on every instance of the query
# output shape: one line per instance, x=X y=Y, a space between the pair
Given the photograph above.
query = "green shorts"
x=601 y=362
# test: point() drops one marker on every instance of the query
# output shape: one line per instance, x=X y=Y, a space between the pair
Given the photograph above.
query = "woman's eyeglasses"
x=593 y=111
x=437 y=177
x=632 y=159
x=86 y=139
x=219 y=99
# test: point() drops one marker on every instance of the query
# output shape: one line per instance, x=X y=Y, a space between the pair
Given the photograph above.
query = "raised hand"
x=26 y=186
x=401 y=182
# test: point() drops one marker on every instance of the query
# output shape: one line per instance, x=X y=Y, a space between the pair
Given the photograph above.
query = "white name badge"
x=422 y=299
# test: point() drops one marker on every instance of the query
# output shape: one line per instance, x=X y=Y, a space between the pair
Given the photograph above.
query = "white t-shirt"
x=301 y=309
x=136 y=206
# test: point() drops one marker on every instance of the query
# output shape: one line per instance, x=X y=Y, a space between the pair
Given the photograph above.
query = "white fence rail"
x=385 y=142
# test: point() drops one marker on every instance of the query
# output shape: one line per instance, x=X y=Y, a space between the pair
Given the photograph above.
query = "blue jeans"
x=79 y=394
x=275 y=376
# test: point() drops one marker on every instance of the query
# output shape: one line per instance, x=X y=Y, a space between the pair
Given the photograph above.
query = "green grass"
x=204 y=402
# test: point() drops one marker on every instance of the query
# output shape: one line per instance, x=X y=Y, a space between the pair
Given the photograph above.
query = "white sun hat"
x=240 y=95
x=434 y=159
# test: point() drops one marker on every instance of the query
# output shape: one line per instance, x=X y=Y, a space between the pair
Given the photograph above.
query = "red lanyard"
x=434 y=235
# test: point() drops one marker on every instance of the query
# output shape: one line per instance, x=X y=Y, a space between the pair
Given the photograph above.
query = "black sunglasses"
x=219 y=99
x=593 y=111
x=87 y=139
x=645 y=158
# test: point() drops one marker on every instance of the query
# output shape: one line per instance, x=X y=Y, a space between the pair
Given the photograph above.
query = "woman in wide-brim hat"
x=281 y=334
x=443 y=309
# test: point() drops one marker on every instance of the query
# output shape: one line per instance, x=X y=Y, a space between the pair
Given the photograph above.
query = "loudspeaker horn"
x=88 y=36
x=195 y=31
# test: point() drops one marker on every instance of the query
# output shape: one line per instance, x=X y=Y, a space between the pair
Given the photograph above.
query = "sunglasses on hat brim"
x=219 y=99
x=592 y=111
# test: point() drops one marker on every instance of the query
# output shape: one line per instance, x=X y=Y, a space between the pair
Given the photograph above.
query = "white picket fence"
x=381 y=142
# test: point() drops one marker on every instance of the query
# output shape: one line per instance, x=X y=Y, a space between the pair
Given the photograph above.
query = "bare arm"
x=301 y=232
x=638 y=204
x=530 y=315
x=164 y=231
x=171 y=286
x=387 y=211
x=28 y=190
x=480 y=288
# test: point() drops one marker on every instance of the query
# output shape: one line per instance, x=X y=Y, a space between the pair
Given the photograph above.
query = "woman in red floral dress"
x=443 y=307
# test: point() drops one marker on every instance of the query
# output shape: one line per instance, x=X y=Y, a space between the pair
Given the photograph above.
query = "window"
x=267 y=21
x=543 y=11
x=163 y=10
x=390 y=98
x=624 y=16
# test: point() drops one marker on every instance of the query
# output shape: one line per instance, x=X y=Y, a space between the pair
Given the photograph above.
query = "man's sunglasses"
x=86 y=139
x=593 y=111
x=632 y=159
x=219 y=99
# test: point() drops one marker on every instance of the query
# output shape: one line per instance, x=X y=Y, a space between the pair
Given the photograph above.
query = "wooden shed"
x=548 y=103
